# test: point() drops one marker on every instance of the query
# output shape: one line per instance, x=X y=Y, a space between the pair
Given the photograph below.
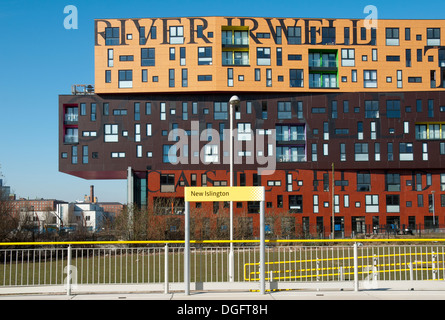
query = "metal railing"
x=159 y=265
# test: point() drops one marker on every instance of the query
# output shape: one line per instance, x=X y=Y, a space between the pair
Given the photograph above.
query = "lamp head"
x=234 y=100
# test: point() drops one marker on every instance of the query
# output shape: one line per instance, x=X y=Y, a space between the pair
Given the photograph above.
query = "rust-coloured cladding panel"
x=385 y=56
x=323 y=130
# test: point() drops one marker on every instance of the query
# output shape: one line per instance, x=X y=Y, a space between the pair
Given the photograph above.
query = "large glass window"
x=290 y=133
x=296 y=78
x=393 y=108
x=370 y=78
x=372 y=109
x=291 y=154
x=220 y=111
x=294 y=35
x=263 y=56
x=177 y=35
x=111 y=133
x=204 y=56
x=392 y=36
x=125 y=78
x=284 y=110
x=392 y=182
x=147 y=57
x=433 y=37
x=112 y=36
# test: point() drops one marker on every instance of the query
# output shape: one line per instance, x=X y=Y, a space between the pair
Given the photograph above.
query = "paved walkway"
x=232 y=297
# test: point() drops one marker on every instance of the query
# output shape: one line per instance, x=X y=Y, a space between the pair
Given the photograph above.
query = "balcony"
x=82 y=89
x=71 y=139
x=71 y=118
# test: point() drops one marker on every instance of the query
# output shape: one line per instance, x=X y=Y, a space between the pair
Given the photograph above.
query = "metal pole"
x=187 y=249
x=355 y=267
x=166 y=269
x=434 y=213
x=333 y=204
x=231 y=256
x=262 y=250
x=68 y=272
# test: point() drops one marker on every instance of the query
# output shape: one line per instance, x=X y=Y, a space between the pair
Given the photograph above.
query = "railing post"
x=187 y=249
x=355 y=267
x=262 y=250
x=166 y=285
x=68 y=272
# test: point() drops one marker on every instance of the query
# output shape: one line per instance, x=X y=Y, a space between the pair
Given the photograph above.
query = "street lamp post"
x=434 y=209
x=234 y=100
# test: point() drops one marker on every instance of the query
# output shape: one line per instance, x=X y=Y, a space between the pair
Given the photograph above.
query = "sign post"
x=210 y=194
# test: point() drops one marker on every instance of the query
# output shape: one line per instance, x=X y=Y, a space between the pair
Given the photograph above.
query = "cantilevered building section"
x=316 y=95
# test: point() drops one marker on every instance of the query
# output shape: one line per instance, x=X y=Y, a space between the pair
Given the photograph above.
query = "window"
x=327 y=35
x=126 y=58
x=142 y=38
x=244 y=131
x=361 y=152
x=408 y=57
x=290 y=133
x=323 y=80
x=147 y=57
x=363 y=182
x=263 y=56
x=295 y=203
x=74 y=154
x=204 y=56
x=348 y=57
x=284 y=110
x=171 y=78
x=125 y=78
x=294 y=35
x=93 y=112
x=291 y=154
x=392 y=36
x=220 y=111
x=112 y=36
x=433 y=37
x=392 y=203
x=235 y=58
x=393 y=108
x=85 y=154
x=406 y=151
x=268 y=77
x=211 y=154
x=407 y=34
x=372 y=109
x=111 y=133
x=279 y=56
x=370 y=78
x=110 y=58
x=107 y=76
x=169 y=154
x=177 y=35
x=296 y=78
x=167 y=182
x=392 y=182
x=372 y=203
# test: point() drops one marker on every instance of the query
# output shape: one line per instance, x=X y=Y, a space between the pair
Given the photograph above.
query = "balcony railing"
x=71 y=138
x=82 y=89
x=71 y=117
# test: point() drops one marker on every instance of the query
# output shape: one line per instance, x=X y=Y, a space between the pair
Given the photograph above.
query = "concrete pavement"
x=245 y=296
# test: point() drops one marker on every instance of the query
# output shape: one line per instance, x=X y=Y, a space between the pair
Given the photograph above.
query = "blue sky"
x=40 y=59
